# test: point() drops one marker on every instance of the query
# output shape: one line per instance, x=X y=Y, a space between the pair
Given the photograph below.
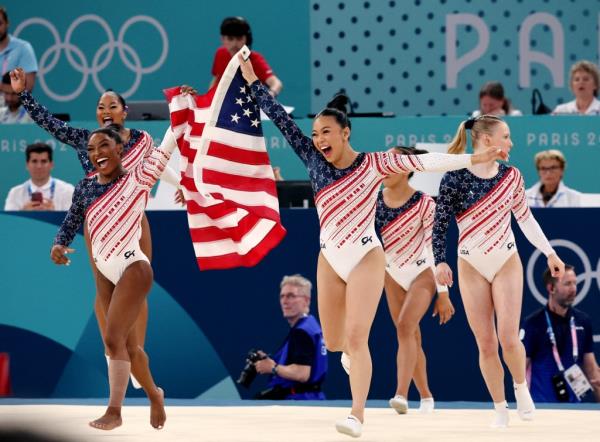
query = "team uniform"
x=345 y=198
x=482 y=208
x=133 y=151
x=113 y=211
x=406 y=233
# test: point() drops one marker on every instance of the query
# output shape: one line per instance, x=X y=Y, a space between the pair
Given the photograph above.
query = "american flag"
x=228 y=182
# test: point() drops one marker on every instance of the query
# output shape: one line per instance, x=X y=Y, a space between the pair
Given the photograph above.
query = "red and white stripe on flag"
x=227 y=178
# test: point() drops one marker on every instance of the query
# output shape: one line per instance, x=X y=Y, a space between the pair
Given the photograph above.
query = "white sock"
x=501 y=419
x=525 y=405
x=427 y=405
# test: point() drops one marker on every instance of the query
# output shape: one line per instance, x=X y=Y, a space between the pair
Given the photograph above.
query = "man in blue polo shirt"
x=15 y=52
x=299 y=367
x=559 y=344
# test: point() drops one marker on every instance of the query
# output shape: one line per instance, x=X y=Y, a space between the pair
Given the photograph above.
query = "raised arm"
x=149 y=170
x=530 y=227
x=60 y=130
x=301 y=144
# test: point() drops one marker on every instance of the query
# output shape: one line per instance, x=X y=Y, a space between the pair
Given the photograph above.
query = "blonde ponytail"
x=459 y=143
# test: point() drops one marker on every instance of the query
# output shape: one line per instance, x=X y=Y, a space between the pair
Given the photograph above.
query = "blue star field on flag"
x=239 y=112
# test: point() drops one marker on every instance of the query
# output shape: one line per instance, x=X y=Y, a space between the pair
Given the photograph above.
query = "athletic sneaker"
x=525 y=405
x=345 y=360
x=350 y=426
x=399 y=403
x=427 y=405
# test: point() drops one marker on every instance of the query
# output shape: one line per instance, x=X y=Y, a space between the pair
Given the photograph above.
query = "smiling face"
x=330 y=138
x=105 y=154
x=110 y=110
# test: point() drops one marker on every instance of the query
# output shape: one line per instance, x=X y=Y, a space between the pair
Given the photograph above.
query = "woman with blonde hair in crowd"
x=584 y=81
x=481 y=198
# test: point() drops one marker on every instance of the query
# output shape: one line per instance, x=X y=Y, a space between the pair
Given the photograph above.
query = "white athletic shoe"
x=350 y=426
x=345 y=360
x=525 y=405
x=399 y=403
x=427 y=405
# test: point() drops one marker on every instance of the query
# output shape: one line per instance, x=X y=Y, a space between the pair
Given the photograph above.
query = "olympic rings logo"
x=587 y=275
x=101 y=59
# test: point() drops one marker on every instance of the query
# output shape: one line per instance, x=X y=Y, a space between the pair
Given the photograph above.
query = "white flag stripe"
x=201 y=220
x=245 y=198
x=227 y=246
x=201 y=114
x=233 y=168
x=240 y=141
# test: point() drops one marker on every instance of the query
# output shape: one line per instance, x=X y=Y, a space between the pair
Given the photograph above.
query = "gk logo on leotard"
x=322 y=245
x=421 y=262
x=365 y=239
x=129 y=254
x=86 y=63
x=510 y=245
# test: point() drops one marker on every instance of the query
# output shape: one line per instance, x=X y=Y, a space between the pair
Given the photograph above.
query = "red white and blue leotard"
x=345 y=198
x=482 y=208
x=406 y=233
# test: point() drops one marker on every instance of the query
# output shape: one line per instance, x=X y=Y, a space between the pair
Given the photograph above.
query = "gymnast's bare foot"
x=110 y=420
x=158 y=416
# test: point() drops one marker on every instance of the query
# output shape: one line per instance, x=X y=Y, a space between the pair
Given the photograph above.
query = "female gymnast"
x=490 y=274
x=351 y=265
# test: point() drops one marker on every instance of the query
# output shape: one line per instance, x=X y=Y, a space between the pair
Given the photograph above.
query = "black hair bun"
x=340 y=102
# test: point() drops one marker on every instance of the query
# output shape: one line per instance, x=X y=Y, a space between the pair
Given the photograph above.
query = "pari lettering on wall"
x=432 y=57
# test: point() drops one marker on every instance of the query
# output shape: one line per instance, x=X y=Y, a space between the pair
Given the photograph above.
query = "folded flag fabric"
x=226 y=175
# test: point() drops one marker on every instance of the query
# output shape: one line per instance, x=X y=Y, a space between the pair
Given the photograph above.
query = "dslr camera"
x=249 y=372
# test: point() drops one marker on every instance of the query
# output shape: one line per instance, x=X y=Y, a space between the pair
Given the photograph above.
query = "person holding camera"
x=558 y=339
x=41 y=191
x=299 y=367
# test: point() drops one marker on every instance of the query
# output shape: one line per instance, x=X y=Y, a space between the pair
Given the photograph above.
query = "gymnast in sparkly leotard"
x=351 y=265
x=482 y=198
x=404 y=220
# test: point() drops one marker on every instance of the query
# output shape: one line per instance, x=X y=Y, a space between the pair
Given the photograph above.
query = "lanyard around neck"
x=552 y=338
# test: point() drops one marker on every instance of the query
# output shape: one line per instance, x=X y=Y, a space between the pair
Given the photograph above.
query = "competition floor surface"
x=265 y=422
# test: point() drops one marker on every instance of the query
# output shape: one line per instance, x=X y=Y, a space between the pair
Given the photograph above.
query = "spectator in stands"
x=299 y=367
x=41 y=191
x=584 y=81
x=13 y=112
x=235 y=33
x=15 y=52
x=493 y=102
x=550 y=191
x=558 y=326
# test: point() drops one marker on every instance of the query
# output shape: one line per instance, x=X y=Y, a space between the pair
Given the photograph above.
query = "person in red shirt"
x=235 y=33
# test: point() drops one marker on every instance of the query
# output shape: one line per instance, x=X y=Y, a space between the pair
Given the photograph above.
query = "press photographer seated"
x=298 y=368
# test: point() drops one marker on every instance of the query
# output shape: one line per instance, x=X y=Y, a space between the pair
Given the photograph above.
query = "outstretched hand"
x=489 y=154
x=18 y=80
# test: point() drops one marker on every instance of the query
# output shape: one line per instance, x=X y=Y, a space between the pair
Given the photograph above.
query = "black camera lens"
x=249 y=371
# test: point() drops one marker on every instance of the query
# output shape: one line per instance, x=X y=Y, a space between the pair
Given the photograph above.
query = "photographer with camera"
x=558 y=340
x=41 y=191
x=298 y=368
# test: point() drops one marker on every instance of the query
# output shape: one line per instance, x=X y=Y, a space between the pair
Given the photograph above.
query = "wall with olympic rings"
x=409 y=57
